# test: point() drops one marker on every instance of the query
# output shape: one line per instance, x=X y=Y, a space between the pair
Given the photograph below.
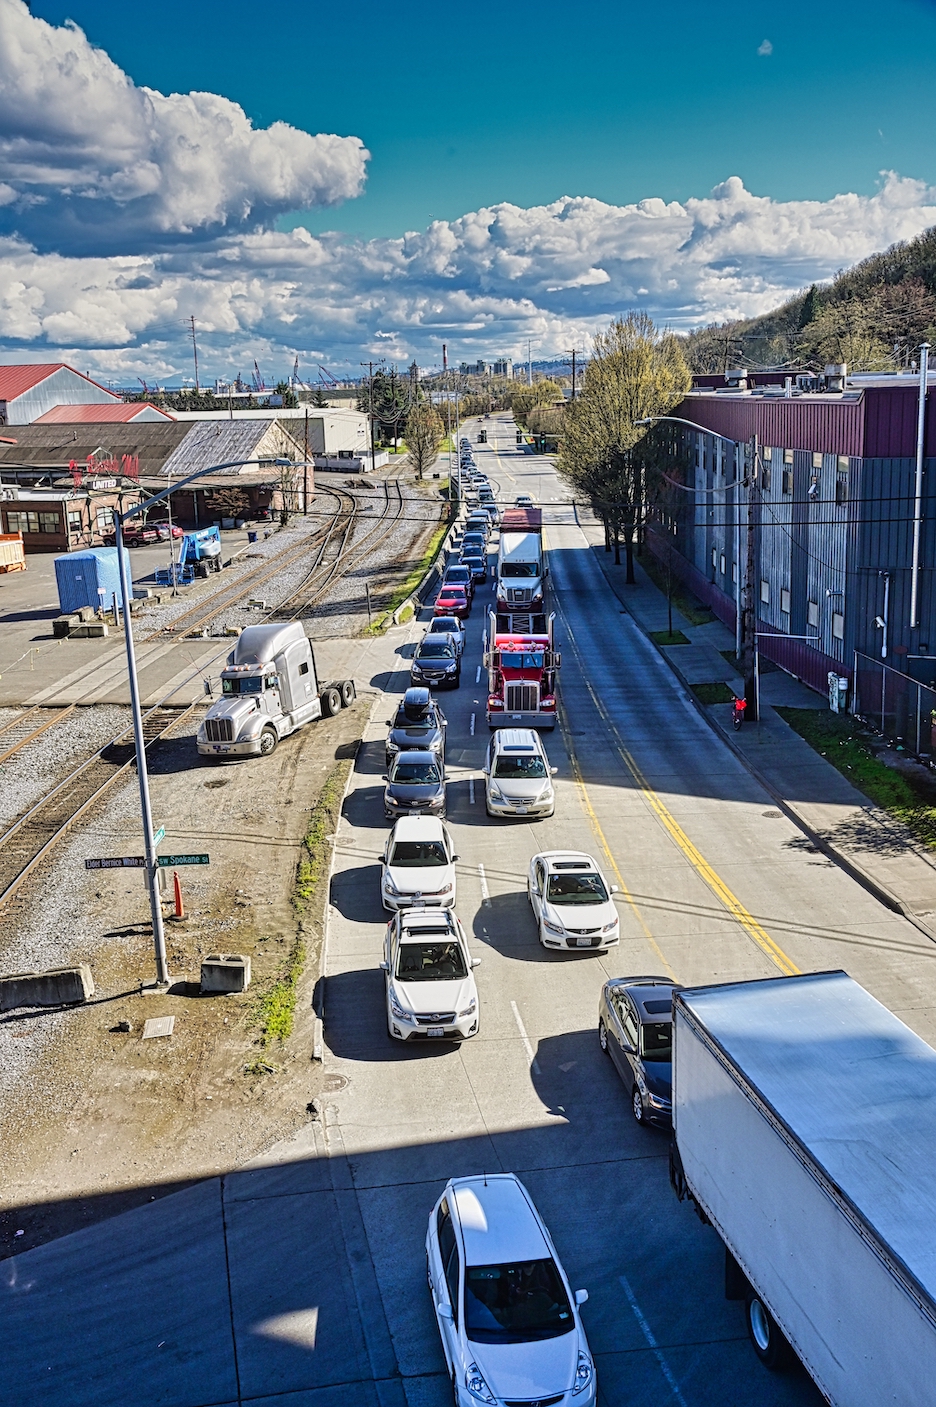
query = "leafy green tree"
x=290 y=399
x=424 y=435
x=319 y=398
x=637 y=371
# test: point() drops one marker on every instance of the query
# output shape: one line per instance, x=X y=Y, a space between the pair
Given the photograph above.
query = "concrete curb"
x=59 y=986
x=856 y=871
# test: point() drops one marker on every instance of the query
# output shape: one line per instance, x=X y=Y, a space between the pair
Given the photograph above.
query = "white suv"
x=518 y=775
x=418 y=865
x=509 y=1323
x=431 y=989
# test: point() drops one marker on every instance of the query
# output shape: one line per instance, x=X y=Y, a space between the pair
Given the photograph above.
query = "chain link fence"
x=903 y=708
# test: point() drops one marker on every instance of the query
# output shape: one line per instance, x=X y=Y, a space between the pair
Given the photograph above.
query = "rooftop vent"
x=737 y=378
x=835 y=374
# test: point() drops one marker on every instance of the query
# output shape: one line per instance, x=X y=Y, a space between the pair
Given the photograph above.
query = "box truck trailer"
x=804 y=1130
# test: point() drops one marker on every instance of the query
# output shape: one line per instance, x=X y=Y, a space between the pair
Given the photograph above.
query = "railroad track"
x=29 y=725
x=326 y=573
x=203 y=612
x=29 y=840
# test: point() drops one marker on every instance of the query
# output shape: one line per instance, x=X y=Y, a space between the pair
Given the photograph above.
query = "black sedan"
x=635 y=1027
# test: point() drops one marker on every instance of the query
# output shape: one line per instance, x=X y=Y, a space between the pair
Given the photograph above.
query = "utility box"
x=88 y=579
x=225 y=972
x=838 y=692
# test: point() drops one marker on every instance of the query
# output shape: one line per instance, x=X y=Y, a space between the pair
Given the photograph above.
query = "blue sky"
x=467 y=105
x=496 y=175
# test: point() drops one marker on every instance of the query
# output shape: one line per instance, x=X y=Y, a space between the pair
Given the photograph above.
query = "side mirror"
x=455 y=857
x=486 y=771
x=385 y=967
x=388 y=722
x=553 y=771
x=445 y=1312
x=581 y=1296
x=615 y=889
x=383 y=777
x=475 y=962
x=383 y=859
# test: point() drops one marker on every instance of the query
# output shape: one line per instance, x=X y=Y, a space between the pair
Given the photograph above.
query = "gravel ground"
x=30 y=773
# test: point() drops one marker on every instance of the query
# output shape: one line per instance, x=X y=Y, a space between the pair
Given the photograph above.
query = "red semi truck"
x=521 y=664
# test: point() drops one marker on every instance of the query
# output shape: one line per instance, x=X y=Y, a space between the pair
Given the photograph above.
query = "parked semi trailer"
x=270 y=687
x=804 y=1130
x=521 y=663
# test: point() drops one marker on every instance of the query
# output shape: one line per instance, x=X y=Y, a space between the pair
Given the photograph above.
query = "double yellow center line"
x=669 y=823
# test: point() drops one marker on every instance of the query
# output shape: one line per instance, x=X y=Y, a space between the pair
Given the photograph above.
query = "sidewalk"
x=879 y=852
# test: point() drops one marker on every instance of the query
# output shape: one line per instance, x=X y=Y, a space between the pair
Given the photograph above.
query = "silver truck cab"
x=269 y=689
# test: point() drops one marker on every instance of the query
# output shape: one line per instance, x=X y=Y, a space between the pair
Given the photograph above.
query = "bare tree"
x=424 y=434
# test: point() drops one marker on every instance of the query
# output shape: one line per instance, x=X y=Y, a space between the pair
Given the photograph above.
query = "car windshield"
x=520 y=768
x=450 y=624
x=656 y=1040
x=418 y=854
x=522 y=659
x=418 y=773
x=576 y=889
x=456 y=574
x=522 y=569
x=453 y=593
x=517 y=1303
x=435 y=650
x=431 y=962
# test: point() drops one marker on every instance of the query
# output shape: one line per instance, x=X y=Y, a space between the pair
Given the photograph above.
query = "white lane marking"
x=527 y=1046
x=485 y=894
x=472 y=724
x=478 y=675
x=657 y=1352
x=471 y=790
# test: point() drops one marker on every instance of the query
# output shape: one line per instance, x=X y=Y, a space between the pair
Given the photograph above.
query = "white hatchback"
x=571 y=901
x=418 y=865
x=431 y=991
x=509 y=1323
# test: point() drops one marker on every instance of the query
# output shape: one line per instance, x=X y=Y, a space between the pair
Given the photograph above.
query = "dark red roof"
x=115 y=413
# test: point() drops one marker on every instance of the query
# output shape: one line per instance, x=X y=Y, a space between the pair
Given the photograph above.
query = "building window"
x=721 y=564
x=785 y=600
x=817 y=461
x=767 y=453
x=788 y=456
x=25 y=521
x=812 y=613
x=788 y=482
x=734 y=571
x=105 y=519
x=838 y=625
x=843 y=463
x=50 y=523
x=714 y=558
x=74 y=520
x=765 y=592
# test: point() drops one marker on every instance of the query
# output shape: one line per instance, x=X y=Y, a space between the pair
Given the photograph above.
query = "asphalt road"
x=302 y=1281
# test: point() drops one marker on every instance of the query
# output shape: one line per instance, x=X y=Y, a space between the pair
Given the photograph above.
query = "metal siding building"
x=833 y=513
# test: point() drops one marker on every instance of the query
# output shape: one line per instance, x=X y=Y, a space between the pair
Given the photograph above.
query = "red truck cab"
x=522 y=665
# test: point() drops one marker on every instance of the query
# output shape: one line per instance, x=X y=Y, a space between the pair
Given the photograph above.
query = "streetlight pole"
x=149 y=847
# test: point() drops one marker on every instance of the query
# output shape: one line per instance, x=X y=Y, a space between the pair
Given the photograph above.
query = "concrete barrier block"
x=62 y=625
x=225 y=972
x=57 y=987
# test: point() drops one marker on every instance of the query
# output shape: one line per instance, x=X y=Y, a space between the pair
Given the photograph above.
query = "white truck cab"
x=269 y=689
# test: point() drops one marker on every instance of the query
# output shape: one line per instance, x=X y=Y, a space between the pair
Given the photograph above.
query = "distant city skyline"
x=302 y=187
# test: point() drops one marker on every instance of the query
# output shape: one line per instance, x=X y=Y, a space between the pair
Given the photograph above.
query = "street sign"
x=159 y=835
x=127 y=862
x=172 y=861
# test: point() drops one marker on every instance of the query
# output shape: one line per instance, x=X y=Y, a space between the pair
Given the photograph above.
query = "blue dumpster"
x=87 y=579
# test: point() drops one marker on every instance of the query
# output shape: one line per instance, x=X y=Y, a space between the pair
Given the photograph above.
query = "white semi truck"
x=270 y=688
x=804 y=1130
x=521 y=565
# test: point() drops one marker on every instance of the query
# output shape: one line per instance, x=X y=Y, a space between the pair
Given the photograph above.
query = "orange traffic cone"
x=179 y=906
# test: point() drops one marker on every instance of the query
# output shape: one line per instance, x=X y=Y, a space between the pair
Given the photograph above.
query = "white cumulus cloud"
x=97 y=164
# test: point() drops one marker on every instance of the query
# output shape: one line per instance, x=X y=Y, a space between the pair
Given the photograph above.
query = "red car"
x=452 y=601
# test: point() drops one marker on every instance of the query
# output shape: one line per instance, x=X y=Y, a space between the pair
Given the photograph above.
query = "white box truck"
x=804 y=1130
x=270 y=688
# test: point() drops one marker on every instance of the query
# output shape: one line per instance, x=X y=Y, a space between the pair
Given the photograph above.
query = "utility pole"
x=305 y=489
x=370 y=403
x=573 y=354
x=529 y=362
x=749 y=609
x=194 y=351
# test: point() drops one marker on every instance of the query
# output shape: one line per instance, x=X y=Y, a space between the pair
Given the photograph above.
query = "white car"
x=523 y=500
x=571 y=901
x=509 y=1323
x=517 y=775
x=431 y=991
x=418 y=865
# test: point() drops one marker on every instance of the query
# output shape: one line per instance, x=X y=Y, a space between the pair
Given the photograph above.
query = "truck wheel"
x=347 y=692
x=331 y=702
x=771 y=1347
x=637 y=1106
x=268 y=741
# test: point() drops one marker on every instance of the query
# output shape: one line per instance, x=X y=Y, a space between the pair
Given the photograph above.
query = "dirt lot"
x=88 y=1109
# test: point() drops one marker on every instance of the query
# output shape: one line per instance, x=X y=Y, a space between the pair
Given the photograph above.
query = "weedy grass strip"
x=840 y=740
x=275 y=1009
x=412 y=581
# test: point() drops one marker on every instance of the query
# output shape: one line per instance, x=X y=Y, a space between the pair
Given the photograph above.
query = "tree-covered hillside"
x=873 y=316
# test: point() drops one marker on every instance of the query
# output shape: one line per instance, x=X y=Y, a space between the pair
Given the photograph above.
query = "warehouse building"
x=26 y=392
